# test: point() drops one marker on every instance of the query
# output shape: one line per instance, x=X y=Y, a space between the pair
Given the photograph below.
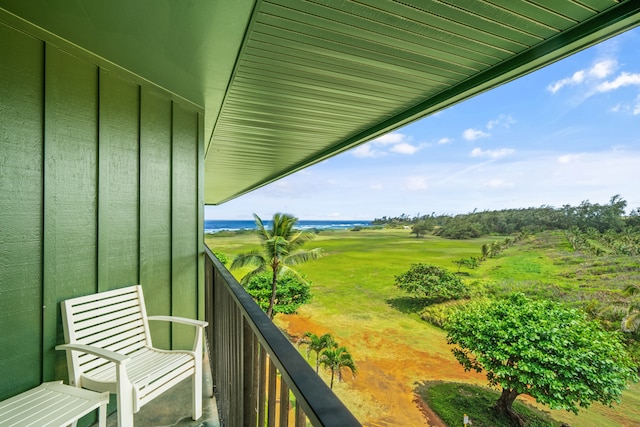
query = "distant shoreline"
x=212 y=226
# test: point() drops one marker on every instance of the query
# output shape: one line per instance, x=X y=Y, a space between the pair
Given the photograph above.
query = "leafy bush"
x=291 y=293
x=222 y=257
x=438 y=314
x=537 y=347
x=435 y=284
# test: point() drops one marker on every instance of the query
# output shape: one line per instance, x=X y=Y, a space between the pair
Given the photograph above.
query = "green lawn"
x=354 y=298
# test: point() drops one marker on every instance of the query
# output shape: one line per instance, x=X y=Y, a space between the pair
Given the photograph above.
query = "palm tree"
x=486 y=251
x=631 y=322
x=335 y=359
x=280 y=250
x=317 y=343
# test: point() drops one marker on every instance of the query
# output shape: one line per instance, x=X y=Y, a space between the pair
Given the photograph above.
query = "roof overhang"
x=288 y=83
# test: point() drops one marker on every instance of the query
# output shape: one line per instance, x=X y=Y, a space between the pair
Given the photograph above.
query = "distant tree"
x=337 y=359
x=471 y=263
x=420 y=229
x=542 y=349
x=486 y=251
x=495 y=248
x=317 y=344
x=432 y=283
x=281 y=249
x=460 y=263
x=291 y=293
x=631 y=322
x=633 y=220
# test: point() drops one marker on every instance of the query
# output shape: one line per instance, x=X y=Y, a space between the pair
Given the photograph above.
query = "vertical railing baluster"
x=301 y=418
x=253 y=364
x=262 y=387
x=238 y=365
x=271 y=395
x=248 y=372
x=284 y=403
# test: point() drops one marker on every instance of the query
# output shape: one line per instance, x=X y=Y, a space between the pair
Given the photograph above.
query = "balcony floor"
x=173 y=408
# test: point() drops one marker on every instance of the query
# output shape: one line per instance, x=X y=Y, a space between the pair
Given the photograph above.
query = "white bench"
x=52 y=404
x=109 y=348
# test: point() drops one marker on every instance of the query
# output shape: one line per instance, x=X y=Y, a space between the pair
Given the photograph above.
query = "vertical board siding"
x=200 y=218
x=100 y=188
x=70 y=191
x=185 y=207
x=20 y=211
x=118 y=183
x=155 y=209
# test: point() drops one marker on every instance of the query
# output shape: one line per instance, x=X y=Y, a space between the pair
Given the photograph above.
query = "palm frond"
x=263 y=233
x=253 y=257
x=631 y=322
x=631 y=289
x=258 y=270
x=302 y=256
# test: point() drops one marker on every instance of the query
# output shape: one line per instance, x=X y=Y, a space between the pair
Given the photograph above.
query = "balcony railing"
x=260 y=378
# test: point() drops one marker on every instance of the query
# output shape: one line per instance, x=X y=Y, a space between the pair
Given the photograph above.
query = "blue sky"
x=563 y=134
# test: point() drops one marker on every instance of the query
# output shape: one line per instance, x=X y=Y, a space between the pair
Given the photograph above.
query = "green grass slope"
x=354 y=298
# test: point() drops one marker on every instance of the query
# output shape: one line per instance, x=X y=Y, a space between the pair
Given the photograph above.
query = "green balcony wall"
x=101 y=186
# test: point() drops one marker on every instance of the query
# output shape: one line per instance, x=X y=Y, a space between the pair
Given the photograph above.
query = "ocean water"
x=215 y=225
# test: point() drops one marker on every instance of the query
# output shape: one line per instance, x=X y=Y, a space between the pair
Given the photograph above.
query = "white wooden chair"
x=109 y=348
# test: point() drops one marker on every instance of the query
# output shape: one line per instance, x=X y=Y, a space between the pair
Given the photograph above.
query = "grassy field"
x=355 y=300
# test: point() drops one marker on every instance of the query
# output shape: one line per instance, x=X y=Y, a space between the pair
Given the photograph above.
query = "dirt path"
x=382 y=394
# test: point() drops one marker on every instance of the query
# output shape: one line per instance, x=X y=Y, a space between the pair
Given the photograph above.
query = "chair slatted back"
x=114 y=320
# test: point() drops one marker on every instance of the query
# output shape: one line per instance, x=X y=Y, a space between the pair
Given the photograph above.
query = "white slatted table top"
x=52 y=404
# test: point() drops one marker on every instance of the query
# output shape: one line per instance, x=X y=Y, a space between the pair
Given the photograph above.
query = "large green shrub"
x=291 y=292
x=433 y=283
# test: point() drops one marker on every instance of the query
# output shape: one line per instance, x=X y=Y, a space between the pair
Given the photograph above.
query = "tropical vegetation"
x=317 y=344
x=336 y=360
x=281 y=250
x=291 y=292
x=576 y=265
x=543 y=349
x=432 y=283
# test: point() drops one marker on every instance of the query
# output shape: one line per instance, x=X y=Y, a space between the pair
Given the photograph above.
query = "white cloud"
x=366 y=150
x=445 y=140
x=576 y=78
x=632 y=108
x=399 y=143
x=390 y=138
x=473 y=134
x=603 y=68
x=376 y=187
x=503 y=120
x=624 y=79
x=416 y=183
x=598 y=71
x=492 y=154
x=569 y=158
x=404 y=148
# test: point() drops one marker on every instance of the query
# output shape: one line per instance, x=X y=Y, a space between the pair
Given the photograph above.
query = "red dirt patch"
x=383 y=392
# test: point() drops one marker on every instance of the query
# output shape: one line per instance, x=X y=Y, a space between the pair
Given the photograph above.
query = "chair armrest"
x=183 y=320
x=111 y=356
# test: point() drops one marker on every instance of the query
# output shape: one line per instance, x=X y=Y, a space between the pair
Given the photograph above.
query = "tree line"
x=586 y=216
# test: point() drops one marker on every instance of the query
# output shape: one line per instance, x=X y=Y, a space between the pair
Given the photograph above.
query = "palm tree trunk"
x=272 y=300
x=332 y=373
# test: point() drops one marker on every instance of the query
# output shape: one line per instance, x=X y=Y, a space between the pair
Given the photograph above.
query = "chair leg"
x=125 y=406
x=196 y=390
x=125 y=411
